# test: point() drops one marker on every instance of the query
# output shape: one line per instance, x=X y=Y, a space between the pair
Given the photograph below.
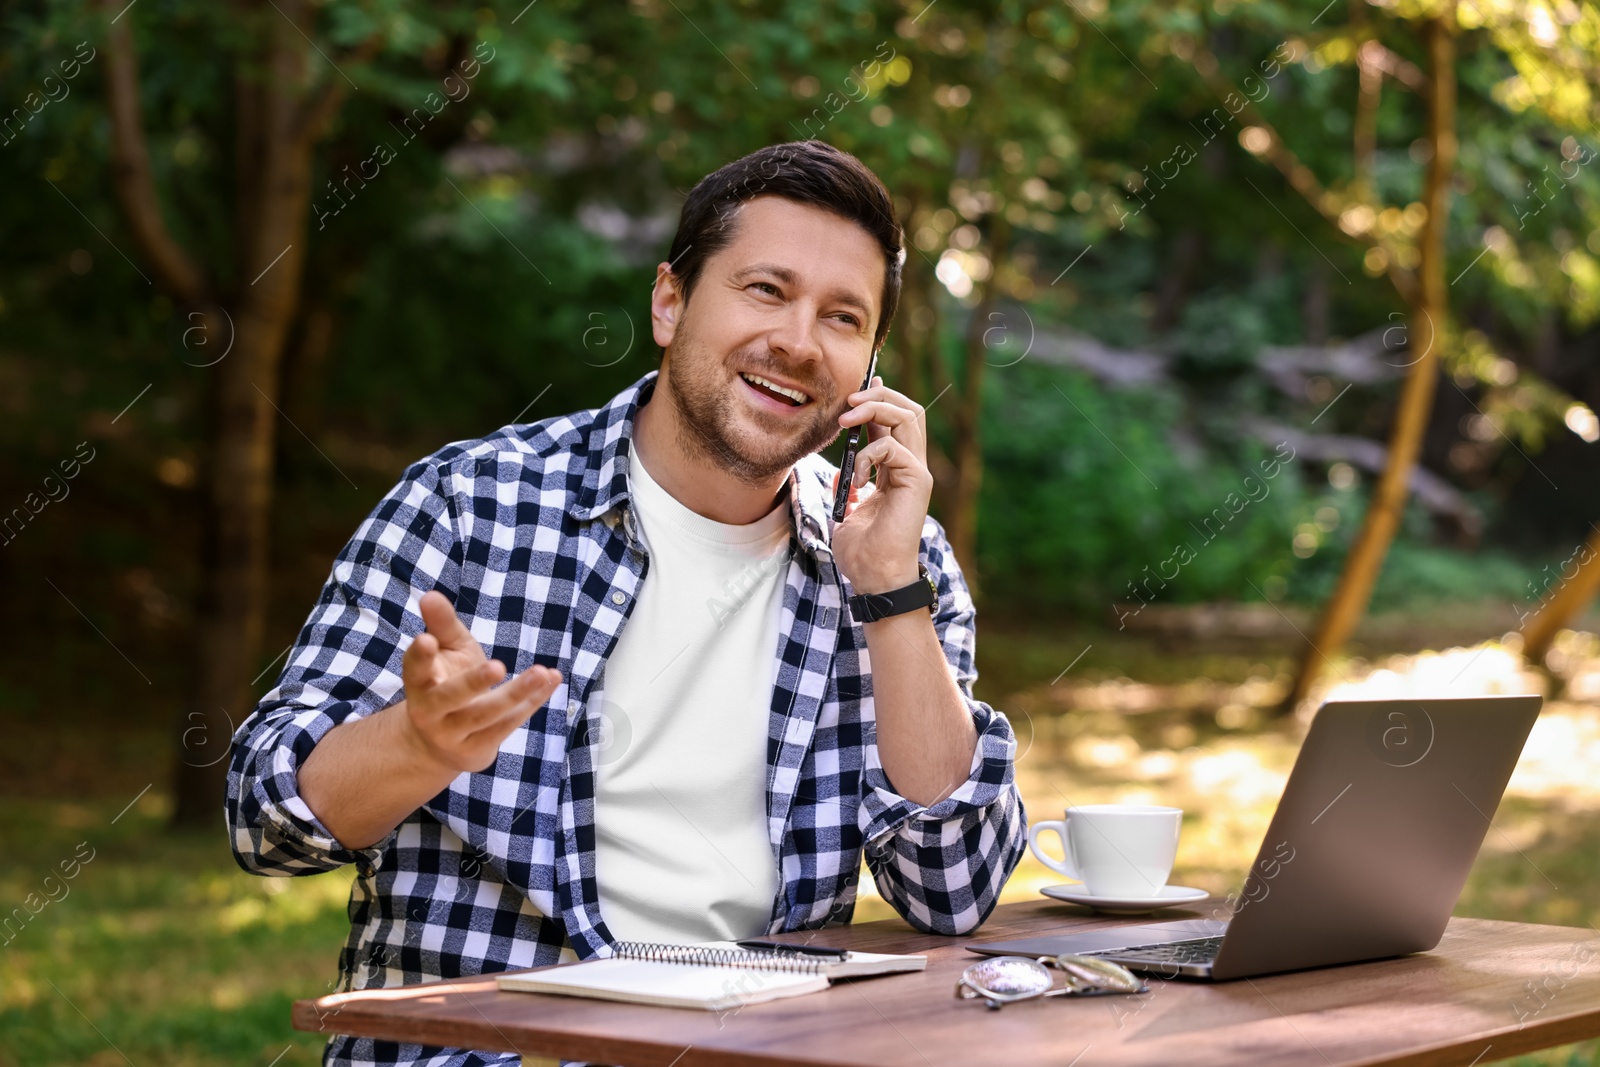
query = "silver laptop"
x=1383 y=814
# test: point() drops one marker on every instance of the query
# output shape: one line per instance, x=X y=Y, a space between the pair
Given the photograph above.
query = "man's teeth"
x=793 y=394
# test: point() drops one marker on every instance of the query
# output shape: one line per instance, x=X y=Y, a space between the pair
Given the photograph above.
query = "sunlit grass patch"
x=160 y=950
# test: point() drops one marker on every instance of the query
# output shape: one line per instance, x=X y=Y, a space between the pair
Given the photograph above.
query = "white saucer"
x=1170 y=896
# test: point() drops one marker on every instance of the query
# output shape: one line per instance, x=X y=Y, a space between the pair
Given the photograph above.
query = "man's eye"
x=765 y=287
x=847 y=317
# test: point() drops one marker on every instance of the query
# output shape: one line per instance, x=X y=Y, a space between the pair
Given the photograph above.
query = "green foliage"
x=1417 y=573
x=1221 y=334
x=571 y=326
x=462 y=295
x=1090 y=493
x=1051 y=117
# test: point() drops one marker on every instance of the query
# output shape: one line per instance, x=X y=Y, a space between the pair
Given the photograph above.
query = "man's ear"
x=666 y=305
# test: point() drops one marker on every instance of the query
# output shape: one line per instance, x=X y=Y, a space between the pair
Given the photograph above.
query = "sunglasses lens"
x=1009 y=976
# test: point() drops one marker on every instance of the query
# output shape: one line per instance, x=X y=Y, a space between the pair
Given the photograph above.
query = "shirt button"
x=618 y=598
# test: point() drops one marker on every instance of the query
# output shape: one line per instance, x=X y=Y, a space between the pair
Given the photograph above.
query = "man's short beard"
x=703 y=427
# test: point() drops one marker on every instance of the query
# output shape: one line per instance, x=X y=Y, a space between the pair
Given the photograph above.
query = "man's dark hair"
x=807 y=172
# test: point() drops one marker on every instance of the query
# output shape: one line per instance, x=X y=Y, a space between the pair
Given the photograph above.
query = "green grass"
x=161 y=950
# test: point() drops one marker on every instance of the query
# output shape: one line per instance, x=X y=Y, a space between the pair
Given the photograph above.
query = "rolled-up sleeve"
x=345 y=664
x=942 y=867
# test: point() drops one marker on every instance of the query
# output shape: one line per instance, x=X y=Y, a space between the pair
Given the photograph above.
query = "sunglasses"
x=1001 y=980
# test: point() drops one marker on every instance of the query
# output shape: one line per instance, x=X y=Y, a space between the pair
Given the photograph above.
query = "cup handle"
x=1064 y=866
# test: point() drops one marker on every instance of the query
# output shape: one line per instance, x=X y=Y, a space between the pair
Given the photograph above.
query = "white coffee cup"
x=1115 y=850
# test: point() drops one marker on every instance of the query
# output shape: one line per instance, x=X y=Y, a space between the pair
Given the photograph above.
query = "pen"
x=847 y=465
x=806 y=950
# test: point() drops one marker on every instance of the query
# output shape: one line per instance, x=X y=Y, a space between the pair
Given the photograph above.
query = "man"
x=704 y=733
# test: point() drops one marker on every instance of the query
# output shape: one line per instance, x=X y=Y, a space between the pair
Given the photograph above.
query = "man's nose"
x=795 y=335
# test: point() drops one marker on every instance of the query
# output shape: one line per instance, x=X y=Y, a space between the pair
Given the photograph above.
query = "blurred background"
x=1258 y=341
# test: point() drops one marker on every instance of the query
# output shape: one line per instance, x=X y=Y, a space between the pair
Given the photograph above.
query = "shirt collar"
x=610 y=444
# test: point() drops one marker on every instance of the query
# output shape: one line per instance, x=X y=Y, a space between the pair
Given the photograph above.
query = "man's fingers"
x=878 y=391
x=444 y=623
x=417 y=665
x=886 y=413
x=883 y=419
x=881 y=412
x=503 y=716
x=884 y=454
x=509 y=704
x=499 y=728
x=461 y=688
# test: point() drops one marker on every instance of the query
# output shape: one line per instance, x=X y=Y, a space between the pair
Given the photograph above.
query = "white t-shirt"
x=682 y=852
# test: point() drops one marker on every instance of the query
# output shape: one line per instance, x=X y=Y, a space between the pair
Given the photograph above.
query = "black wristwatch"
x=922 y=593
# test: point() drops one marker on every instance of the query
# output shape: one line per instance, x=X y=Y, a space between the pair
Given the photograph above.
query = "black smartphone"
x=847 y=465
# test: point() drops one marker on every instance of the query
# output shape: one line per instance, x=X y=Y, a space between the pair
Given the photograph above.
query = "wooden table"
x=1489 y=991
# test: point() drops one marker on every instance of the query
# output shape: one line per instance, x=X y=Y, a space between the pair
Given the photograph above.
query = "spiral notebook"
x=715 y=976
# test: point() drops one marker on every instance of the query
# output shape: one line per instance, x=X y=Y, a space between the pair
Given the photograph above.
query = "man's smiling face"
x=778 y=332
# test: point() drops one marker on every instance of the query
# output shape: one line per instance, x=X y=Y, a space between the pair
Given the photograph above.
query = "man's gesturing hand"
x=368 y=774
x=455 y=715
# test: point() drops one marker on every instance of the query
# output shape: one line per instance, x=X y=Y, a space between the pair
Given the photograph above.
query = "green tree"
x=1410 y=244
x=266 y=113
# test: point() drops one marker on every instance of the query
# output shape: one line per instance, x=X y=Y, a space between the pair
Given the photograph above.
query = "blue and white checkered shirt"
x=529 y=532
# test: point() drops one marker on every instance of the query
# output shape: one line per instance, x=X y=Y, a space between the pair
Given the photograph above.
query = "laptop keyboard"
x=1197 y=950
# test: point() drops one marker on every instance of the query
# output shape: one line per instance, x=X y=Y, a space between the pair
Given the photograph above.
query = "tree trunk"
x=1428 y=321
x=244 y=419
x=966 y=414
x=1172 y=291
x=233 y=593
x=239 y=340
x=239 y=481
x=922 y=365
x=916 y=344
x=1314 y=305
x=1568 y=602
x=305 y=364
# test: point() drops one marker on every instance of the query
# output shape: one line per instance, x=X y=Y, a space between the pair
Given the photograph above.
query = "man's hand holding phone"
x=926 y=734
x=878 y=543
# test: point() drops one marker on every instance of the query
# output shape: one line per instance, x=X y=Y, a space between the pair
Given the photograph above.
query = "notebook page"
x=665 y=984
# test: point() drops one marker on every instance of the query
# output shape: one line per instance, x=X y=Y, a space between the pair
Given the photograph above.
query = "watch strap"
x=922 y=593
